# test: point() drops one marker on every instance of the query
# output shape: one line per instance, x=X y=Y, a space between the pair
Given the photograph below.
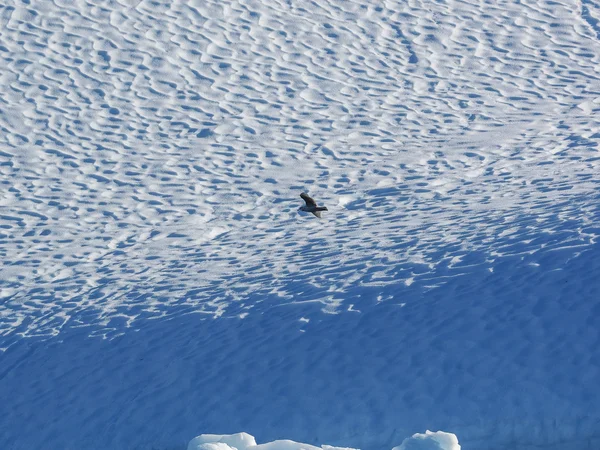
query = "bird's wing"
x=309 y=201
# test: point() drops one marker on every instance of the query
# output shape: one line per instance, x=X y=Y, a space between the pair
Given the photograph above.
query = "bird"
x=311 y=206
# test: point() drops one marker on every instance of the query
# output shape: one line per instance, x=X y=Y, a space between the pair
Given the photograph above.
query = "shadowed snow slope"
x=157 y=282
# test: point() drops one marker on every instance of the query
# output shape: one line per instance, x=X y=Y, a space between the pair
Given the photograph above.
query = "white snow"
x=157 y=281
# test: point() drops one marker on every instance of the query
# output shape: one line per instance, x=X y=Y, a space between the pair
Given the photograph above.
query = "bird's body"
x=311 y=206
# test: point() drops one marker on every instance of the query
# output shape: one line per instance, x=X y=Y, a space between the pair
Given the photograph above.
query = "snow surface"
x=157 y=281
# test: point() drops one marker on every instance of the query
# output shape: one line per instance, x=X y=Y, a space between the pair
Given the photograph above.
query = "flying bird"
x=311 y=206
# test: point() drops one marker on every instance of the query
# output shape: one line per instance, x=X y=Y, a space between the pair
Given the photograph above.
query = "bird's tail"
x=321 y=208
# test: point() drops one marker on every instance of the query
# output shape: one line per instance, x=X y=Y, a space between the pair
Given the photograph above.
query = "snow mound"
x=239 y=441
x=438 y=440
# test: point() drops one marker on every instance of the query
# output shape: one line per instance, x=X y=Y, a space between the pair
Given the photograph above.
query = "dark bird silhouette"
x=311 y=206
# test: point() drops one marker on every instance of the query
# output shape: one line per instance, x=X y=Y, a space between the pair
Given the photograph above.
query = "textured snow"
x=162 y=146
x=157 y=281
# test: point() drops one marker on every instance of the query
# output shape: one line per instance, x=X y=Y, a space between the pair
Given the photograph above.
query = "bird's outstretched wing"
x=309 y=201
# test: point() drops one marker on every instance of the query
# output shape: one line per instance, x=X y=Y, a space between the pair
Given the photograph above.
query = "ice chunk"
x=239 y=441
x=285 y=444
x=209 y=446
x=438 y=440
